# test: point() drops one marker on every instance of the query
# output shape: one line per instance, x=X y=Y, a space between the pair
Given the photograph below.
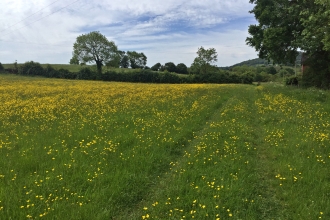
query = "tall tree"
x=203 y=62
x=137 y=60
x=170 y=67
x=181 y=68
x=284 y=27
x=156 y=67
x=94 y=48
x=124 y=63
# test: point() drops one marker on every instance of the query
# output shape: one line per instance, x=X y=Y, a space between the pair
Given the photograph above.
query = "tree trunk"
x=99 y=69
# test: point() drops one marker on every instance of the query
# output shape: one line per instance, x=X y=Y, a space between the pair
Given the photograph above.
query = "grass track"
x=95 y=150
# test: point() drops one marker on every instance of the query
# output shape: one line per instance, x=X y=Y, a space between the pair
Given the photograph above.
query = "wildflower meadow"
x=72 y=149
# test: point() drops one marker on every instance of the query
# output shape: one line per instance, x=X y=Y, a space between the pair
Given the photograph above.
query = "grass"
x=97 y=150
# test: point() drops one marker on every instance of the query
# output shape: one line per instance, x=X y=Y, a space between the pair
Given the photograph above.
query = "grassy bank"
x=100 y=150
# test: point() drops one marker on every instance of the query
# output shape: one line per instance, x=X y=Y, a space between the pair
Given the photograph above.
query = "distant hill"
x=259 y=61
x=253 y=62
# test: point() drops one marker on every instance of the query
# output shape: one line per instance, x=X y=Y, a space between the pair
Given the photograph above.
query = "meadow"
x=73 y=149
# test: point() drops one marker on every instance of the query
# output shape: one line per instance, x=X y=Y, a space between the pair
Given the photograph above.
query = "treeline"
x=243 y=74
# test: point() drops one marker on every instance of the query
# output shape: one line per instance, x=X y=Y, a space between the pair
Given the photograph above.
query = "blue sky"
x=165 y=31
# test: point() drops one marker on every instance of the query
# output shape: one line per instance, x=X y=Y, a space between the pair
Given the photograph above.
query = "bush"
x=146 y=76
x=1 y=68
x=293 y=80
x=66 y=74
x=31 y=68
x=50 y=72
x=247 y=78
x=113 y=76
x=167 y=77
x=181 y=68
x=86 y=73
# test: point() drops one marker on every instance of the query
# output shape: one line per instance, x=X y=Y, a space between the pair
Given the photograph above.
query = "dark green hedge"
x=138 y=75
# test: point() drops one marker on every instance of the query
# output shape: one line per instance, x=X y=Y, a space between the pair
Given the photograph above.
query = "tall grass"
x=96 y=150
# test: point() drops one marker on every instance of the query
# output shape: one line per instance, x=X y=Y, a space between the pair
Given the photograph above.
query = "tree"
x=203 y=62
x=181 y=68
x=156 y=67
x=124 y=63
x=116 y=59
x=137 y=60
x=1 y=67
x=94 y=47
x=271 y=70
x=170 y=67
x=286 y=26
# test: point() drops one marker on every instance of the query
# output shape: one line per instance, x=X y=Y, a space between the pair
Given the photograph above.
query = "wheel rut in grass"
x=189 y=142
x=227 y=164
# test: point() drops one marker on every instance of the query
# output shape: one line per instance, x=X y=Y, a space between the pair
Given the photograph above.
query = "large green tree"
x=137 y=60
x=156 y=67
x=94 y=48
x=286 y=27
x=181 y=68
x=170 y=67
x=203 y=62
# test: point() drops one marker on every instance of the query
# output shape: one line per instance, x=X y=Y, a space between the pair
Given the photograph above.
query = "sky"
x=44 y=31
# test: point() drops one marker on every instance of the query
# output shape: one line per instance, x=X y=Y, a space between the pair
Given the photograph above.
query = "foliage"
x=124 y=62
x=271 y=70
x=31 y=68
x=286 y=26
x=1 y=67
x=50 y=72
x=203 y=62
x=238 y=74
x=292 y=80
x=94 y=48
x=181 y=68
x=170 y=67
x=137 y=60
x=86 y=73
x=116 y=60
x=156 y=67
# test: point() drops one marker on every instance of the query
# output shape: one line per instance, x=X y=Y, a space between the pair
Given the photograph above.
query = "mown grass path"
x=95 y=150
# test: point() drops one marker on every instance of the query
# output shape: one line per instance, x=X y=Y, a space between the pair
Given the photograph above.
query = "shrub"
x=49 y=71
x=293 y=80
x=31 y=68
x=247 y=78
x=86 y=73
x=181 y=68
x=113 y=76
x=1 y=68
x=167 y=77
x=66 y=74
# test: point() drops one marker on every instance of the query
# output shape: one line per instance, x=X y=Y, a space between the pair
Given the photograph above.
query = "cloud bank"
x=45 y=30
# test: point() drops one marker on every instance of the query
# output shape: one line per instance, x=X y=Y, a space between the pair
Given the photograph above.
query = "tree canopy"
x=286 y=27
x=93 y=47
x=137 y=60
x=181 y=68
x=170 y=67
x=156 y=67
x=203 y=62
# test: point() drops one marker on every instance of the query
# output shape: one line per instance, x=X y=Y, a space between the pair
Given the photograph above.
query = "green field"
x=103 y=150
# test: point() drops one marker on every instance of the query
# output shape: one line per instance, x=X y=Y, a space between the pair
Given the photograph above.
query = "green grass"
x=96 y=150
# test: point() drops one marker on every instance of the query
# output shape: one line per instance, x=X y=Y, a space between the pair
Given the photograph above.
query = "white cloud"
x=165 y=31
